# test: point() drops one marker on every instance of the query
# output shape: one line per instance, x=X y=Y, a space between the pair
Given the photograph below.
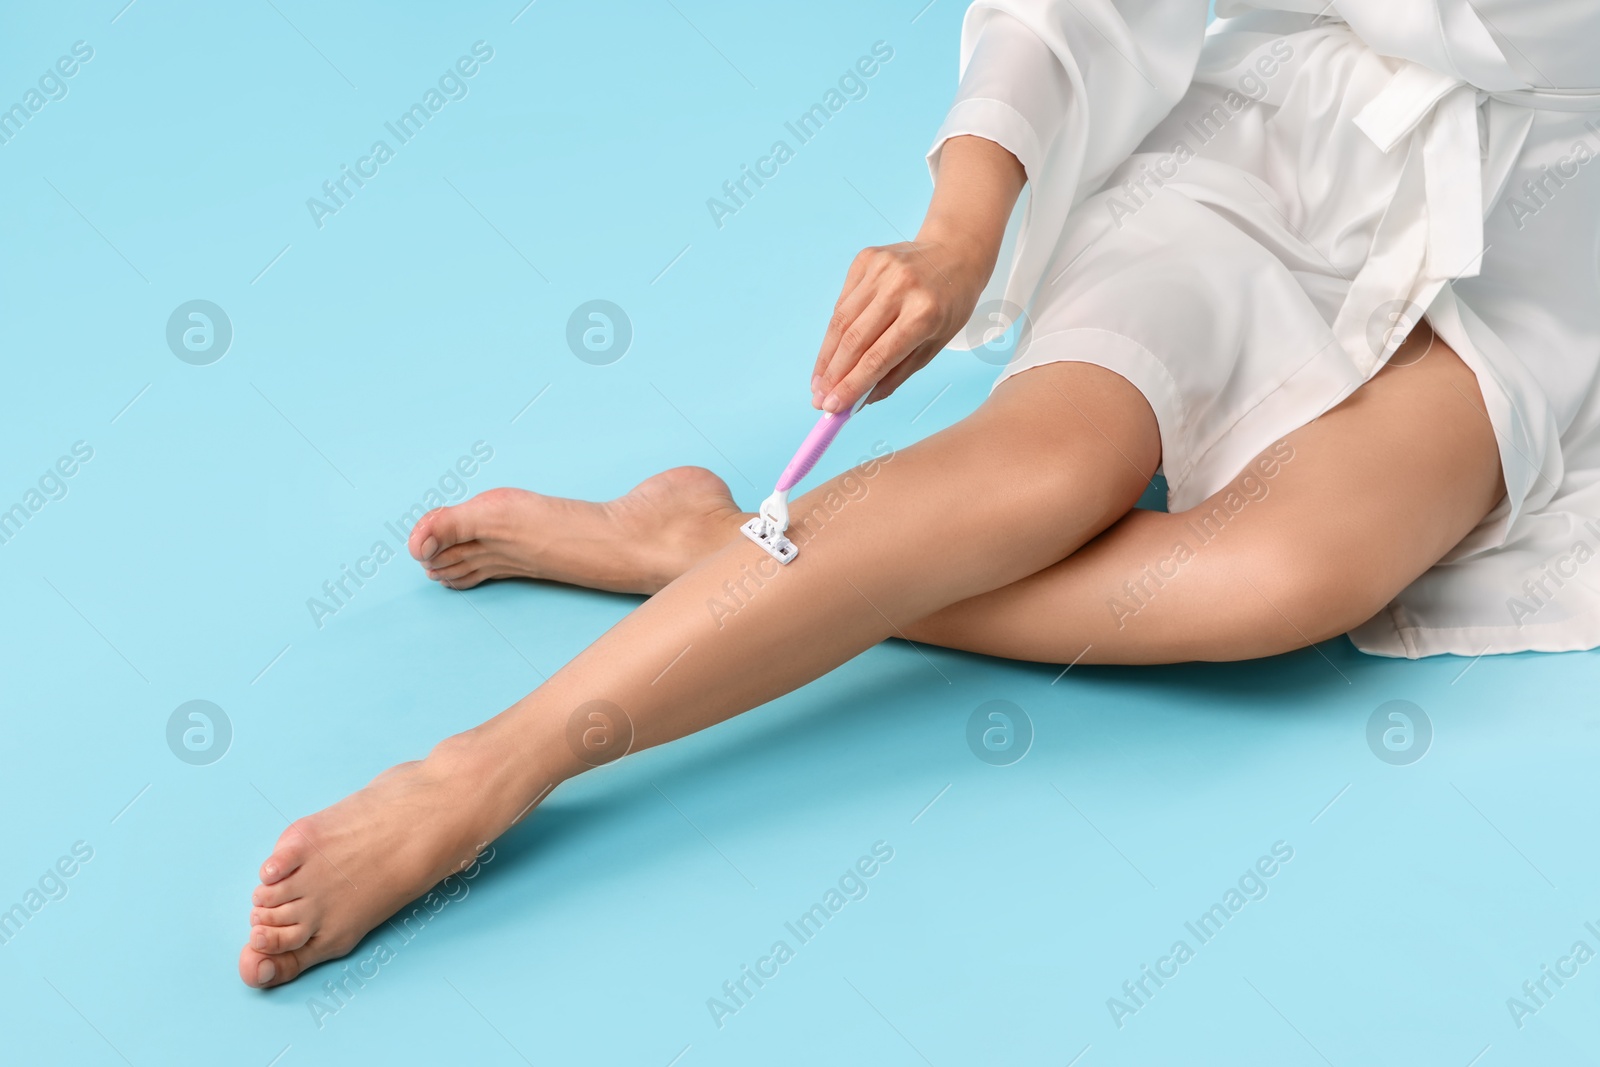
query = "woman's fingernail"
x=429 y=547
x=831 y=403
x=816 y=380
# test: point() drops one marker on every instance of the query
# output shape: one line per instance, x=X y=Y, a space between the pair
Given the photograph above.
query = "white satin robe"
x=1245 y=221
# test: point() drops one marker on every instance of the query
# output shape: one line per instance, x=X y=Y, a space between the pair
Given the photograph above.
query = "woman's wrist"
x=974 y=249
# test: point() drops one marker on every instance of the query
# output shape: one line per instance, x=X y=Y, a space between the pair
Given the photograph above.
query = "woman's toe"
x=287 y=856
x=296 y=911
x=452 y=572
x=438 y=529
x=273 y=940
x=275 y=895
x=454 y=555
x=262 y=971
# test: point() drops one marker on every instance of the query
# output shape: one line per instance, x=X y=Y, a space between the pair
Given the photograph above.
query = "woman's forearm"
x=978 y=185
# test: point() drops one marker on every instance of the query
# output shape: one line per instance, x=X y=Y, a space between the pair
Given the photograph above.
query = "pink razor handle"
x=815 y=444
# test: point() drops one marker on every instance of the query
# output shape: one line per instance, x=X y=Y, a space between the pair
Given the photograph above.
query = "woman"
x=1227 y=240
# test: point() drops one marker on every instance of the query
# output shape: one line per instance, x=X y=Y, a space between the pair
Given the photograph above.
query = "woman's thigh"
x=1312 y=539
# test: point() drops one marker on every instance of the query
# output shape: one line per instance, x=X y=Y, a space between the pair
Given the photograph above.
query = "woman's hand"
x=902 y=303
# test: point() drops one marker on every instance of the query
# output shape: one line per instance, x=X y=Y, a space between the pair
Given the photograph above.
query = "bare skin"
x=634 y=544
x=674 y=666
x=1006 y=533
x=1061 y=612
x=1008 y=583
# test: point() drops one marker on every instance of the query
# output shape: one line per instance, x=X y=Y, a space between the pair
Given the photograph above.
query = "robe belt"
x=1432 y=231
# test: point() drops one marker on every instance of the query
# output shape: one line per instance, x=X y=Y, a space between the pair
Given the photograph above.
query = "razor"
x=771 y=520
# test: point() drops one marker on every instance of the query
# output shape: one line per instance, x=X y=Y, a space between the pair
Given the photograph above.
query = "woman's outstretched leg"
x=1020 y=484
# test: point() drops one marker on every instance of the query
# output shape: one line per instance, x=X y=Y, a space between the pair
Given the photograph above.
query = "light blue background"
x=373 y=352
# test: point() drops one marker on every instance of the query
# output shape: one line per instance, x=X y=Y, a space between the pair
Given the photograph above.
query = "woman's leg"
x=1020 y=484
x=1357 y=505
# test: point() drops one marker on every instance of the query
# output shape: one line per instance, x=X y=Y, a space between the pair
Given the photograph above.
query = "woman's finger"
x=849 y=308
x=853 y=298
x=890 y=347
x=861 y=333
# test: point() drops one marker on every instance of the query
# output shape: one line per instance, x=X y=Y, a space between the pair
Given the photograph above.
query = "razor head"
x=769 y=537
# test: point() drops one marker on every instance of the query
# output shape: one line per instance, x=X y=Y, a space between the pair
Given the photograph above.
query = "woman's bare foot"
x=636 y=543
x=335 y=875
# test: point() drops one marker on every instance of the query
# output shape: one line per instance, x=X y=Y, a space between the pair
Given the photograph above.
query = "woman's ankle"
x=512 y=772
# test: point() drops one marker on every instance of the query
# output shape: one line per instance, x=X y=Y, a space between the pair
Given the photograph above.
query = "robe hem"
x=1388 y=634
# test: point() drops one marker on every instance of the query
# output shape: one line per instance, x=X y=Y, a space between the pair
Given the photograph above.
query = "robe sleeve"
x=1069 y=87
